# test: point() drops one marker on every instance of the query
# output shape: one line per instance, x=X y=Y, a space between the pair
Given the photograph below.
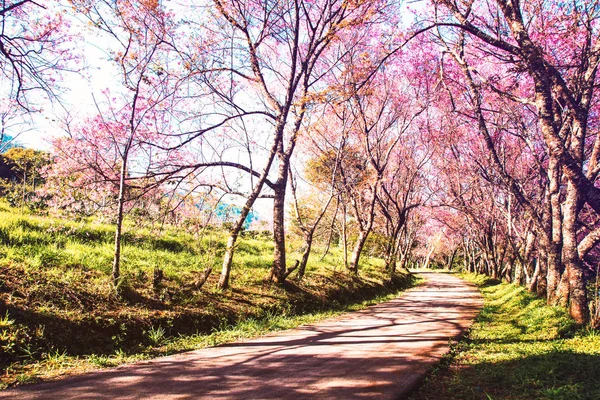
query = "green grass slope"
x=58 y=311
x=519 y=348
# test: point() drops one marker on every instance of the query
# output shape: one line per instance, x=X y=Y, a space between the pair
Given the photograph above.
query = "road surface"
x=382 y=352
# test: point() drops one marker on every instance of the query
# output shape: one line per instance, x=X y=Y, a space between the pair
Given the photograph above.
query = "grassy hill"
x=59 y=313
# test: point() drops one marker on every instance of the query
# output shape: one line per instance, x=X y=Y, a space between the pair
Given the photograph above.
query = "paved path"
x=380 y=352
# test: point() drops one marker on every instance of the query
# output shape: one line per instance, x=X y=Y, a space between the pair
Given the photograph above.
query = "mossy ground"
x=59 y=312
x=519 y=348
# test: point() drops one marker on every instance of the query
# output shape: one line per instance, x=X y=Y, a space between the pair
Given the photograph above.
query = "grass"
x=56 y=363
x=59 y=313
x=519 y=348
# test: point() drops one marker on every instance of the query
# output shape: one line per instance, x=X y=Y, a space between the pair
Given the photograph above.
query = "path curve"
x=381 y=352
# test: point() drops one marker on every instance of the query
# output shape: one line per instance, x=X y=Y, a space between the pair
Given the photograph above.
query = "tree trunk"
x=405 y=252
x=555 y=235
x=358 y=247
x=308 y=229
x=308 y=239
x=395 y=259
x=527 y=255
x=345 y=234
x=533 y=282
x=278 y=269
x=467 y=260
x=429 y=253
x=507 y=272
x=578 y=304
x=331 y=228
x=24 y=187
x=228 y=257
x=451 y=259
x=116 y=265
x=239 y=224
x=391 y=252
x=518 y=279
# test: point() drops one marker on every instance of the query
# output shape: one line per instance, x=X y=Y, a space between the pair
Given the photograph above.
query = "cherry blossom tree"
x=33 y=49
x=283 y=52
x=127 y=144
x=560 y=86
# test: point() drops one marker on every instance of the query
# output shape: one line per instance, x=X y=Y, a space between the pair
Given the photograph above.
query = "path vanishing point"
x=382 y=352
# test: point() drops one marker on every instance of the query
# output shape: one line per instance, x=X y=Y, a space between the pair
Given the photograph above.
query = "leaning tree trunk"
x=309 y=230
x=451 y=259
x=331 y=230
x=364 y=233
x=235 y=232
x=404 y=258
x=356 y=252
x=345 y=234
x=308 y=240
x=429 y=254
x=239 y=224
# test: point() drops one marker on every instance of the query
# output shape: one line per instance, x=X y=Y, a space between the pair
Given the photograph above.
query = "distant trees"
x=35 y=49
x=366 y=155
x=21 y=171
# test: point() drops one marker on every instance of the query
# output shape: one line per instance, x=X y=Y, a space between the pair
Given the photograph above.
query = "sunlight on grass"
x=55 y=363
x=520 y=348
x=60 y=313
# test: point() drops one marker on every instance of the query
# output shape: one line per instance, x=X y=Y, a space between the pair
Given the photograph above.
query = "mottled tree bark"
x=278 y=270
x=554 y=244
x=578 y=304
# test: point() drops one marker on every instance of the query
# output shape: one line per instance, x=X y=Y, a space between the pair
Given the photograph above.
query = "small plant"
x=591 y=333
x=120 y=337
x=25 y=378
x=120 y=355
x=100 y=361
x=120 y=285
x=39 y=331
x=156 y=335
x=56 y=359
x=5 y=321
x=28 y=352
